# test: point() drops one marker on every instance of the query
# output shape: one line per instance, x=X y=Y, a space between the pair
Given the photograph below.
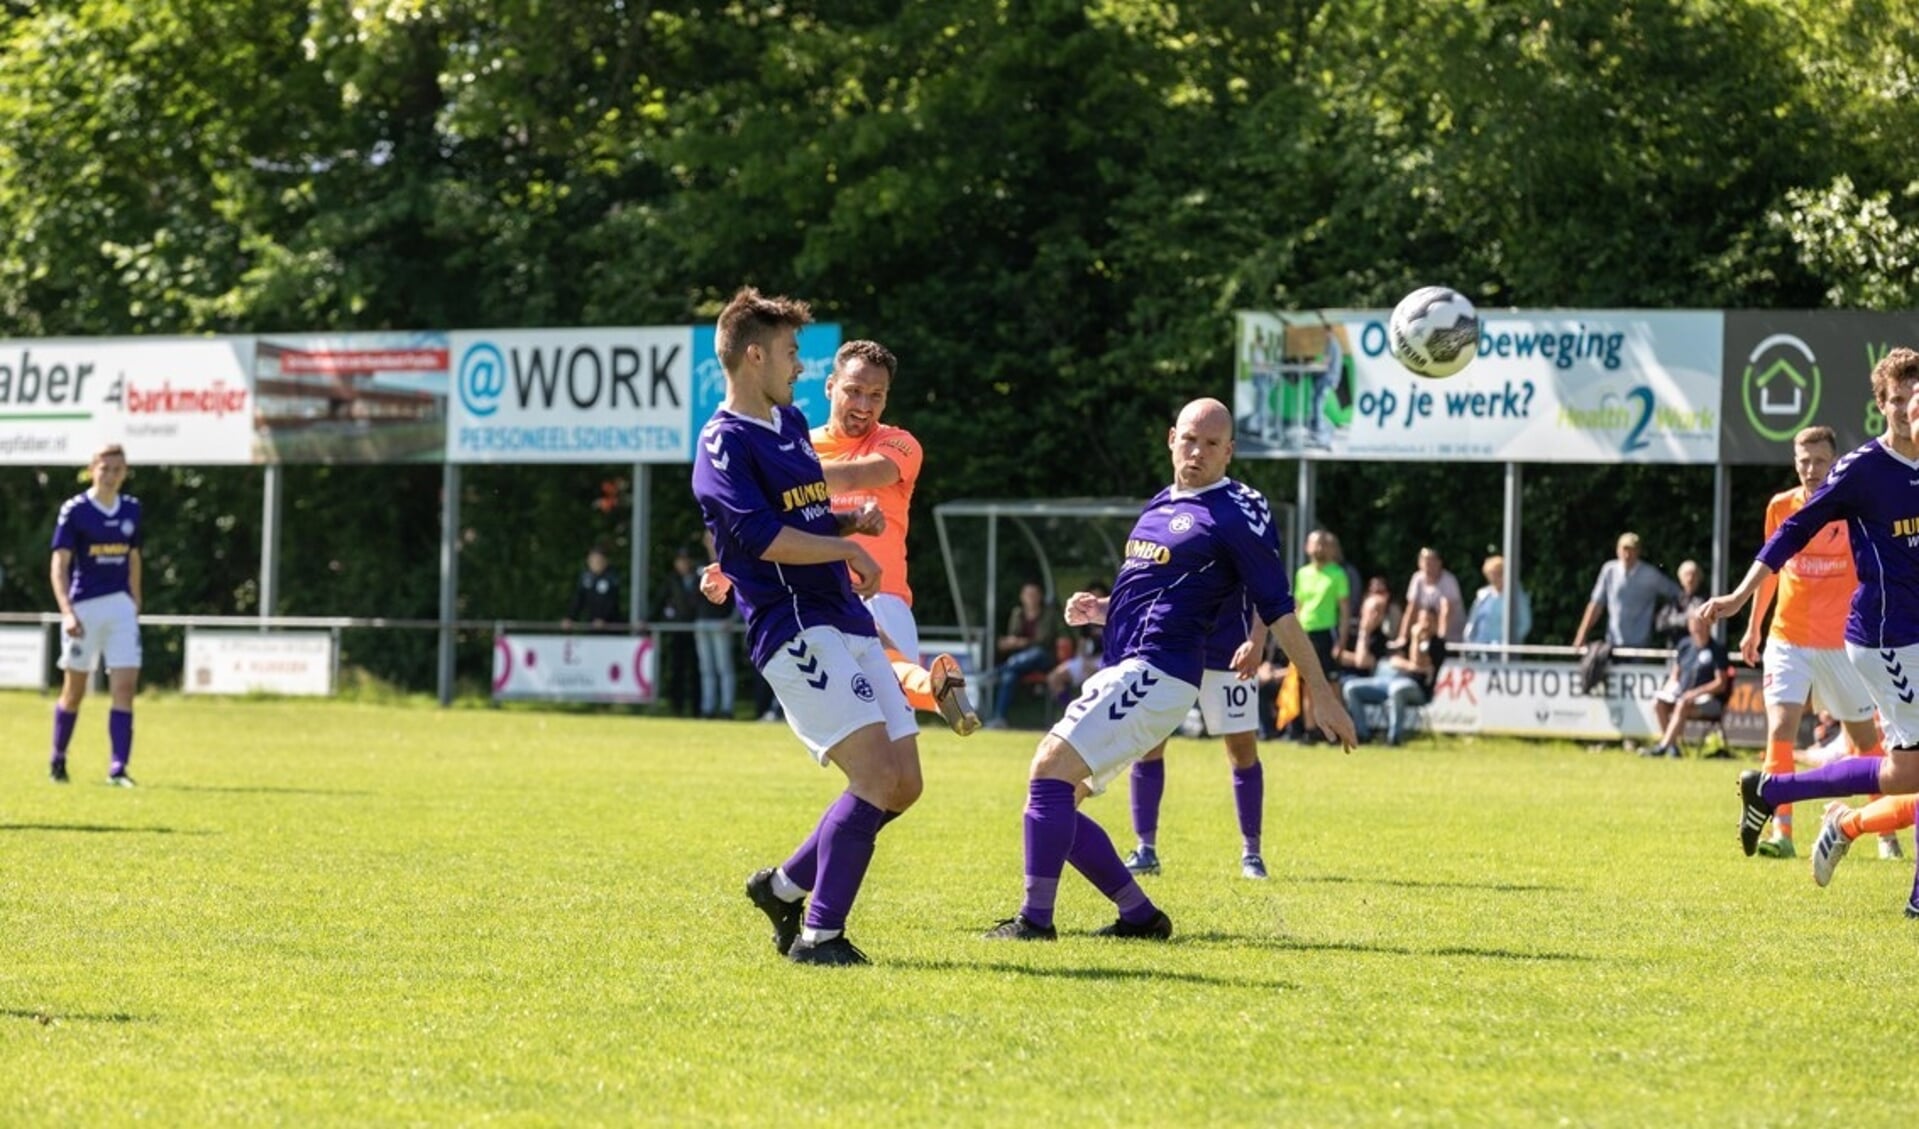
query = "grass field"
x=331 y=913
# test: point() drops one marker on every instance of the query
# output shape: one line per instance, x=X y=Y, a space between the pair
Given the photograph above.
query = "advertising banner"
x=1792 y=369
x=167 y=400
x=351 y=398
x=1553 y=386
x=23 y=658
x=296 y=663
x=575 y=668
x=1542 y=699
x=597 y=395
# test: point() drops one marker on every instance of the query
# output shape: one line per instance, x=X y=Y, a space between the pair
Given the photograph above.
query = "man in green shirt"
x=1324 y=600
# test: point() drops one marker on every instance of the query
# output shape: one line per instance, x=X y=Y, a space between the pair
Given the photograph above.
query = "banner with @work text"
x=1548 y=386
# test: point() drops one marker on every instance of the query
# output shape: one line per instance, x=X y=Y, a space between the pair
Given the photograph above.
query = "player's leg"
x=1884 y=816
x=120 y=644
x=1123 y=711
x=1148 y=788
x=1897 y=774
x=1249 y=798
x=1788 y=683
x=66 y=713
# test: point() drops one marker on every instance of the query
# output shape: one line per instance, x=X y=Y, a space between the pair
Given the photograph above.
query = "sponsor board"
x=167 y=400
x=23 y=658
x=1554 y=386
x=295 y=663
x=1791 y=369
x=1542 y=699
x=635 y=395
x=351 y=398
x=575 y=668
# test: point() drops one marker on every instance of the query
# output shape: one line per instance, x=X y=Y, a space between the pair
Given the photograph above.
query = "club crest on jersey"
x=126 y=527
x=1181 y=524
x=862 y=689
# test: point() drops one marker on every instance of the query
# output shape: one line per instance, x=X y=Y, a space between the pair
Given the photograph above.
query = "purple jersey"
x=1189 y=557
x=101 y=541
x=753 y=479
x=1873 y=491
x=1235 y=624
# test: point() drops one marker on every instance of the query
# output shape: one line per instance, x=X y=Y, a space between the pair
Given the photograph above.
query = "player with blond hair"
x=1805 y=650
x=97 y=583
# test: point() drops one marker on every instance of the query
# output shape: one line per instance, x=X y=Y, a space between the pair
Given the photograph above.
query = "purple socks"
x=846 y=836
x=1149 y=786
x=1249 y=796
x=1051 y=826
x=63 y=723
x=1853 y=776
x=803 y=869
x=1093 y=855
x=120 y=733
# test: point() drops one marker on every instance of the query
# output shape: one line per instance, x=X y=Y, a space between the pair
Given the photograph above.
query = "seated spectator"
x=1671 y=619
x=1485 y=623
x=1403 y=681
x=1025 y=648
x=1697 y=686
x=1358 y=656
x=1064 y=680
x=1433 y=587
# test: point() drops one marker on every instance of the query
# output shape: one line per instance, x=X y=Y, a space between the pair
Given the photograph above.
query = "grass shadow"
x=98 y=829
x=49 y=1018
x=1421 y=884
x=1301 y=945
x=261 y=790
x=1095 y=974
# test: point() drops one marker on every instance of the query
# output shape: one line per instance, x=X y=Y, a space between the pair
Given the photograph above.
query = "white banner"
x=575 y=668
x=571 y=396
x=1565 y=386
x=23 y=658
x=167 y=400
x=259 y=662
x=1542 y=699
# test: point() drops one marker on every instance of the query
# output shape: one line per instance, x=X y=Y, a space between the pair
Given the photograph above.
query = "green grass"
x=343 y=914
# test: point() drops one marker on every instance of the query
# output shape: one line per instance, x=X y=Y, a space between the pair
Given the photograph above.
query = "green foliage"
x=1049 y=209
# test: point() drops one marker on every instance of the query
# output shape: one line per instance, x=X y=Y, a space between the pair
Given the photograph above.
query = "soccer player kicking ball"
x=871 y=463
x=1198 y=543
x=1806 y=648
x=1229 y=704
x=1875 y=490
x=96 y=581
x=766 y=503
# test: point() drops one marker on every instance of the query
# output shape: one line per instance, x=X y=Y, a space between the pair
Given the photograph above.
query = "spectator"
x=1026 y=647
x=1674 y=613
x=1627 y=591
x=679 y=609
x=1433 y=587
x=1697 y=686
x=1485 y=623
x=1404 y=681
x=1065 y=679
x=1354 y=582
x=1373 y=634
x=713 y=634
x=596 y=595
x=1324 y=606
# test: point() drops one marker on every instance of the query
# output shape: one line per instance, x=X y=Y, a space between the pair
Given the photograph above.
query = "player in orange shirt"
x=868 y=462
x=1806 y=649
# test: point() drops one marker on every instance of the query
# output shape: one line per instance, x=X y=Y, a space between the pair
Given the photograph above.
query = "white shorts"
x=895 y=617
x=1121 y=714
x=1794 y=673
x=112 y=626
x=1893 y=678
x=1229 y=703
x=831 y=684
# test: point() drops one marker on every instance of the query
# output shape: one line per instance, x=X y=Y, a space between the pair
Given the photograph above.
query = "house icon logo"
x=1780 y=387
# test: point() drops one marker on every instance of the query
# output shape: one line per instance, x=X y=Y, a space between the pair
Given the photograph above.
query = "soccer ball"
x=1434 y=332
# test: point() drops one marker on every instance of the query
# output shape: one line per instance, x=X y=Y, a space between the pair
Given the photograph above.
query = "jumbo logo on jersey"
x=109 y=549
x=1907 y=527
x=1140 y=549
x=811 y=494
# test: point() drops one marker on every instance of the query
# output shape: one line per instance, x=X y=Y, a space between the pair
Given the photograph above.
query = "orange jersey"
x=897 y=446
x=1815 y=587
